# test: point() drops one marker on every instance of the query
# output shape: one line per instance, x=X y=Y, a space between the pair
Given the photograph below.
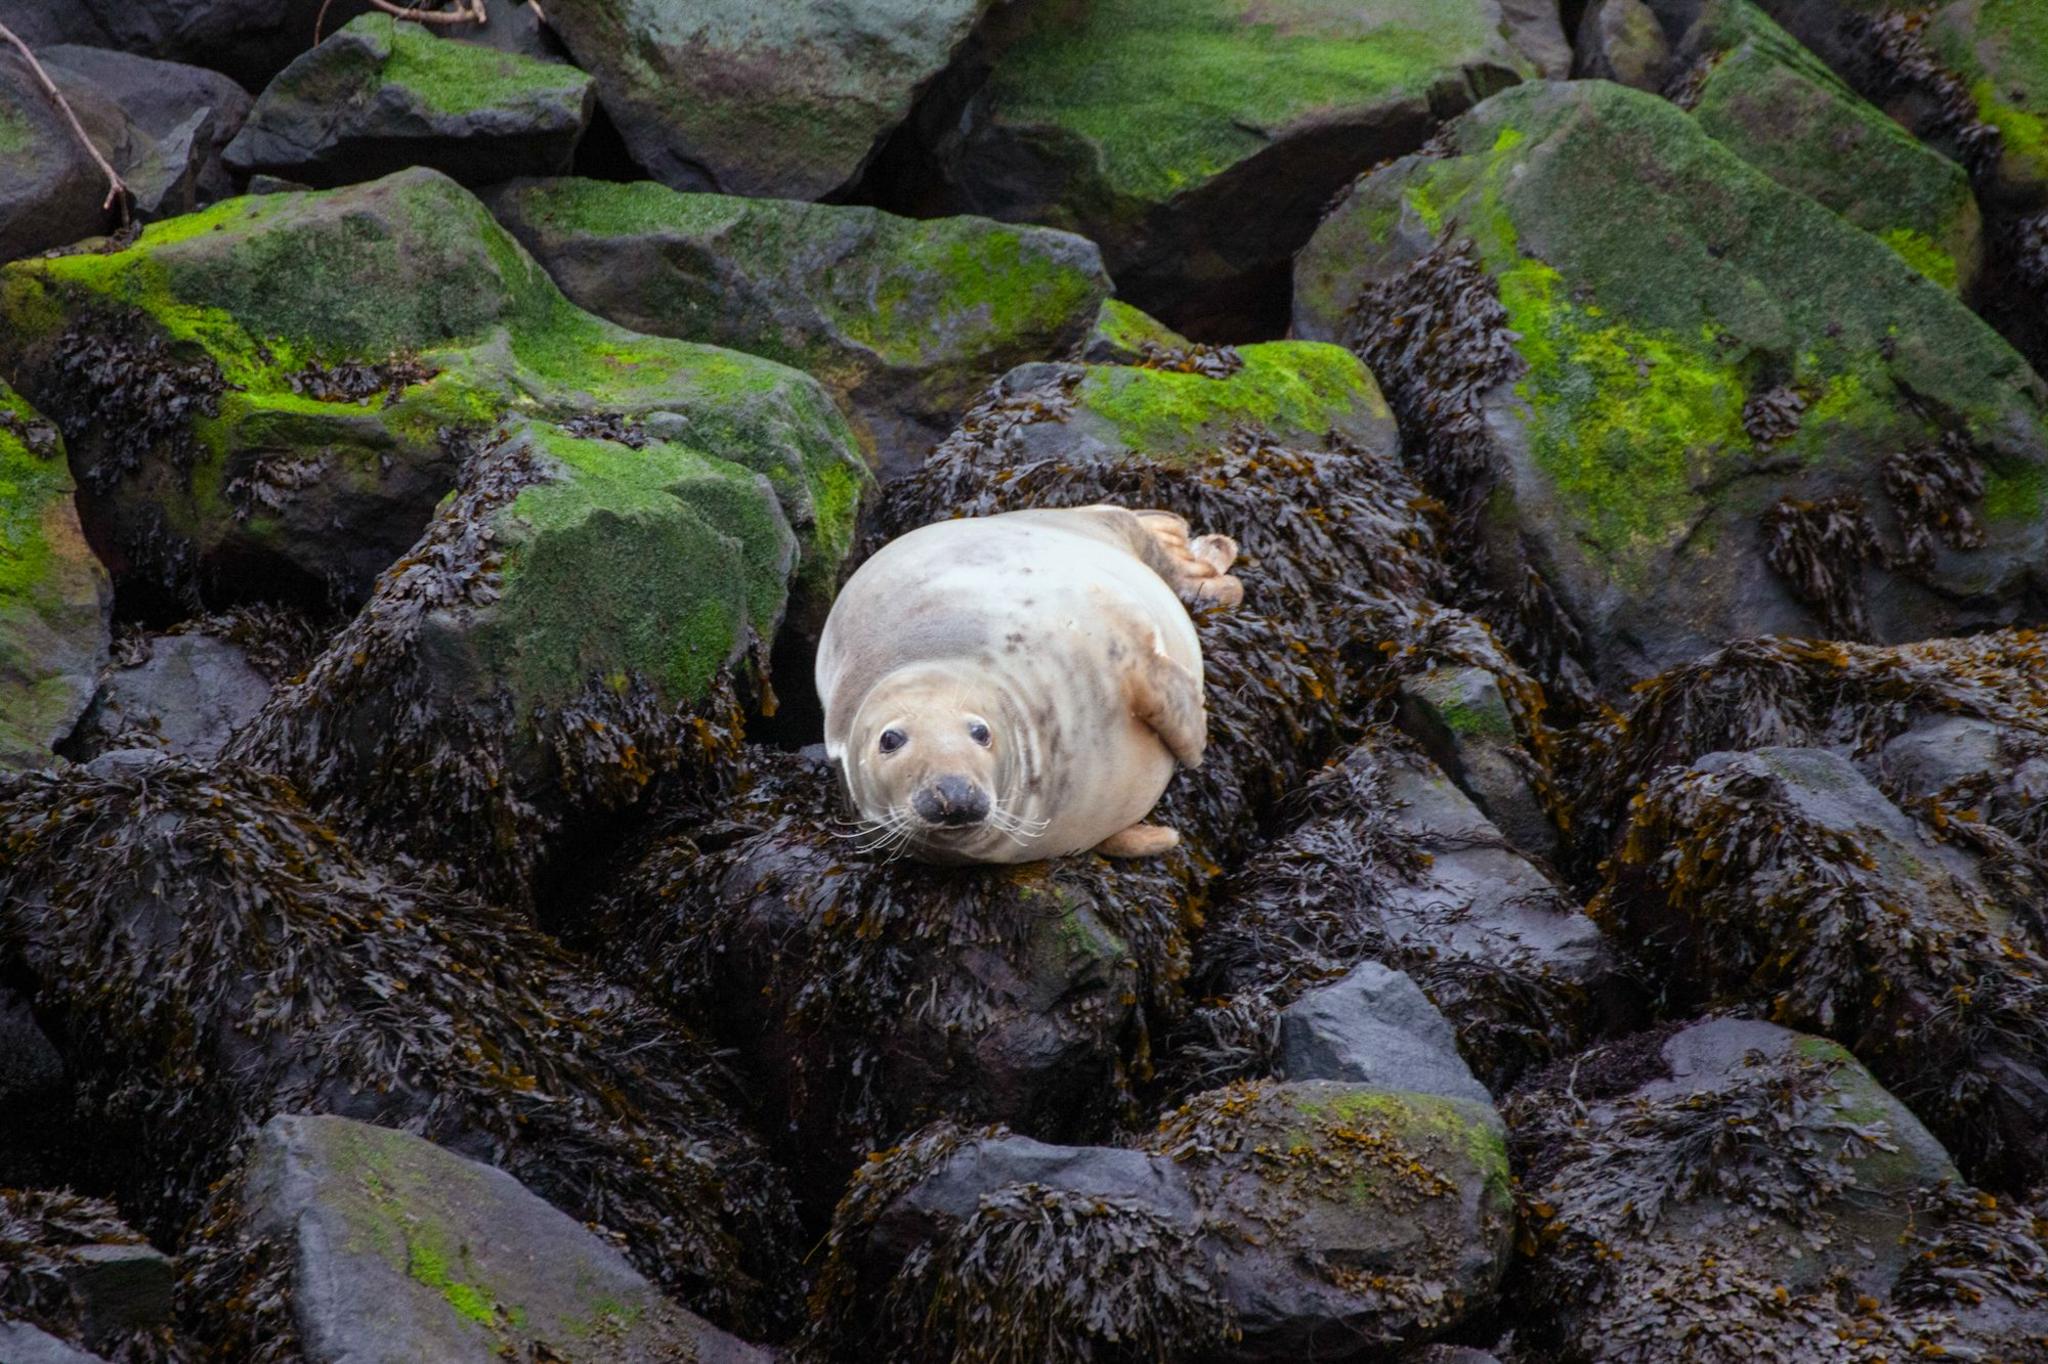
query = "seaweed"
x=357 y=381
x=207 y=955
x=1906 y=65
x=1930 y=490
x=1772 y=415
x=40 y=1232
x=126 y=396
x=1819 y=548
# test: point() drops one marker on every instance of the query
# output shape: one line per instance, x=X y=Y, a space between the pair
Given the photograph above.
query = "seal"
x=1015 y=687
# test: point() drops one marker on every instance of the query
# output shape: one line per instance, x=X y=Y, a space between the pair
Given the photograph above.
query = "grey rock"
x=50 y=192
x=120 y=1288
x=1623 y=41
x=1536 y=30
x=21 y=1343
x=250 y=40
x=189 y=696
x=163 y=100
x=404 y=1251
x=382 y=95
x=1375 y=1027
x=1940 y=751
x=1461 y=719
x=29 y=1061
x=1450 y=1354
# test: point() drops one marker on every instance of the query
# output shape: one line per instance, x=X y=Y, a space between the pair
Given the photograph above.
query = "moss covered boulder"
x=54 y=594
x=1257 y=1222
x=1199 y=140
x=786 y=98
x=394 y=1248
x=1732 y=1190
x=269 y=394
x=906 y=321
x=1760 y=93
x=537 y=655
x=380 y=95
x=1723 y=411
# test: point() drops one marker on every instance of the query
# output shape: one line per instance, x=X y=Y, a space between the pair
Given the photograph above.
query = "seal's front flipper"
x=1140 y=840
x=1166 y=697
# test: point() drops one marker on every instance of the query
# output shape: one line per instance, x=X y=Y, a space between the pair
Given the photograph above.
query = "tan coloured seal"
x=1016 y=687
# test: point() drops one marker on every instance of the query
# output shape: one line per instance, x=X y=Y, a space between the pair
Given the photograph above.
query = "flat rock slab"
x=403 y=1252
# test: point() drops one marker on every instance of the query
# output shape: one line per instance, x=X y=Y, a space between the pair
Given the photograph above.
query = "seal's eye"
x=893 y=739
x=978 y=732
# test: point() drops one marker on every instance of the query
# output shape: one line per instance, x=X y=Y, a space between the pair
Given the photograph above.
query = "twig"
x=320 y=21
x=539 y=18
x=117 y=188
x=469 y=12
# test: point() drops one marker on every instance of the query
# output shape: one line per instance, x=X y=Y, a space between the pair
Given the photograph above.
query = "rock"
x=1621 y=40
x=1756 y=91
x=1123 y=335
x=400 y=1249
x=249 y=40
x=1391 y=863
x=1261 y=1222
x=268 y=398
x=510 y=26
x=207 y=955
x=547 y=647
x=1686 y=428
x=380 y=95
x=907 y=322
x=76 y=1270
x=1198 y=144
x=21 y=1343
x=189 y=694
x=50 y=191
x=1374 y=1027
x=28 y=1061
x=1983 y=770
x=1536 y=30
x=783 y=101
x=1832 y=910
x=1461 y=717
x=164 y=101
x=54 y=595
x=1821 y=1190
x=1449 y=1354
x=121 y=1287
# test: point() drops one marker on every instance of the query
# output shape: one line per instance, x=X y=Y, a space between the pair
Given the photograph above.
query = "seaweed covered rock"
x=54 y=595
x=267 y=397
x=1724 y=411
x=1389 y=862
x=390 y=1247
x=379 y=96
x=1198 y=143
x=907 y=322
x=1463 y=719
x=1758 y=92
x=206 y=955
x=1257 y=1222
x=779 y=100
x=50 y=191
x=1781 y=880
x=559 y=636
x=70 y=1267
x=1734 y=1191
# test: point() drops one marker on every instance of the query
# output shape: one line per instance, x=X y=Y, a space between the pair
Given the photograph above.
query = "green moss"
x=17 y=134
x=2015 y=494
x=1924 y=254
x=1475 y=721
x=1126 y=331
x=2001 y=49
x=1300 y=386
x=32 y=488
x=429 y=1267
x=448 y=77
x=1173 y=92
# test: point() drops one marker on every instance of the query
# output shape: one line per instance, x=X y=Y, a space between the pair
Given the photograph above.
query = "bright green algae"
x=462 y=78
x=1173 y=92
x=1300 y=388
x=2000 y=49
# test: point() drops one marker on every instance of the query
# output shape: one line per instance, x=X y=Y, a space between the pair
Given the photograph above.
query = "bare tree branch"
x=117 y=188
x=465 y=12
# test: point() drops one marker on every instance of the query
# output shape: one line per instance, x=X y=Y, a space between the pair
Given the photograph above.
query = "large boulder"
x=50 y=191
x=270 y=396
x=54 y=595
x=381 y=95
x=785 y=99
x=188 y=113
x=206 y=954
x=1200 y=142
x=1757 y=91
x=1724 y=411
x=907 y=322
x=1257 y=1222
x=1781 y=880
x=250 y=40
x=1732 y=1190
x=395 y=1248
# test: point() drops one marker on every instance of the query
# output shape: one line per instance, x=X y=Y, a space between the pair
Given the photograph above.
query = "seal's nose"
x=953 y=802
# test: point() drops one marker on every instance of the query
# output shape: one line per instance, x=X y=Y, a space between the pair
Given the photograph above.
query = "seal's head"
x=930 y=757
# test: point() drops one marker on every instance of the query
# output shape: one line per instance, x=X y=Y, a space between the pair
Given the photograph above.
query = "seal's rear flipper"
x=1140 y=840
x=1198 y=569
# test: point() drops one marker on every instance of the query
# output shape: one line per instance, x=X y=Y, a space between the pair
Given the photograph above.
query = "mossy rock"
x=781 y=99
x=535 y=657
x=54 y=594
x=1769 y=100
x=1724 y=411
x=1999 y=48
x=381 y=95
x=274 y=384
x=1199 y=140
x=401 y=1249
x=906 y=321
